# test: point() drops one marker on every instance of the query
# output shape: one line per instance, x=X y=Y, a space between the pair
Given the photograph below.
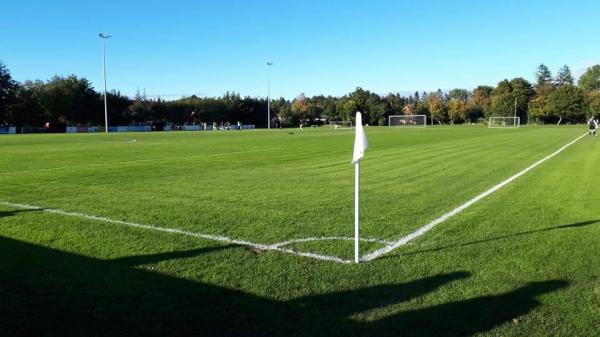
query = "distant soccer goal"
x=407 y=120
x=504 y=122
x=340 y=124
x=314 y=126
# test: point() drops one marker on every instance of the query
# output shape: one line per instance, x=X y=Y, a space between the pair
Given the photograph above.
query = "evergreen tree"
x=543 y=76
x=564 y=76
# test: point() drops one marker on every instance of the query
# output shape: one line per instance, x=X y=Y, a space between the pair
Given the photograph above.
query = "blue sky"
x=174 y=48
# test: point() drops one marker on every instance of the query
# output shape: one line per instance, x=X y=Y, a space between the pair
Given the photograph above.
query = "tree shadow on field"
x=467 y=317
x=503 y=237
x=15 y=212
x=46 y=292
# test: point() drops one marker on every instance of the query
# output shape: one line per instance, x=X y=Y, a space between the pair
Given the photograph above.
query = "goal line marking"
x=426 y=228
x=272 y=247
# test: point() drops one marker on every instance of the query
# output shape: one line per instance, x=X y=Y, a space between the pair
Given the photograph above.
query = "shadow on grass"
x=17 y=211
x=46 y=292
x=467 y=317
x=154 y=258
x=502 y=237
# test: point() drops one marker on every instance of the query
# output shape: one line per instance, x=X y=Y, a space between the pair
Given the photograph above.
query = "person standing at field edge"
x=593 y=125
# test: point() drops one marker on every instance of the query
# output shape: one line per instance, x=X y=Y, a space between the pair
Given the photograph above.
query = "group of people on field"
x=222 y=126
x=593 y=125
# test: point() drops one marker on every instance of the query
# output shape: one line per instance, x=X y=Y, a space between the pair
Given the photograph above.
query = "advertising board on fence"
x=4 y=130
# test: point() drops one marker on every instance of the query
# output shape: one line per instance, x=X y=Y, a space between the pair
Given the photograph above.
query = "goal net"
x=504 y=122
x=340 y=124
x=407 y=120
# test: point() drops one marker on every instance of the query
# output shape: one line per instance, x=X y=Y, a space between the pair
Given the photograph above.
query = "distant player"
x=593 y=126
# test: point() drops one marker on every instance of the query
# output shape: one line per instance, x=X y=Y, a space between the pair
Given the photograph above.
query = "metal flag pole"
x=356 y=213
x=360 y=145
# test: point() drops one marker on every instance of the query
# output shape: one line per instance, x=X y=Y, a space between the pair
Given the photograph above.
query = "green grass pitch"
x=520 y=262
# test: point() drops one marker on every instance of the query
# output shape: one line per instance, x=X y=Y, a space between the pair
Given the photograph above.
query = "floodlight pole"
x=269 y=64
x=104 y=37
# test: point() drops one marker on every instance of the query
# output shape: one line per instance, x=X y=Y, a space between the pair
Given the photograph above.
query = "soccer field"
x=191 y=233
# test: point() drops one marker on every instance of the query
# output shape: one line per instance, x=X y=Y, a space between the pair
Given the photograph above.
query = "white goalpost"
x=504 y=122
x=340 y=124
x=407 y=120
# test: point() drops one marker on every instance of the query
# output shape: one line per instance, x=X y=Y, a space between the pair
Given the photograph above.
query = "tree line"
x=71 y=100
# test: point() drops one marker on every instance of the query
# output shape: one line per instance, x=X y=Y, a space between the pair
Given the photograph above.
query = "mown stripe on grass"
x=149 y=160
x=424 y=229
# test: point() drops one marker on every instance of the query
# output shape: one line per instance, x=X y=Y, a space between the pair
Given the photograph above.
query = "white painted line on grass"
x=328 y=238
x=218 y=238
x=377 y=253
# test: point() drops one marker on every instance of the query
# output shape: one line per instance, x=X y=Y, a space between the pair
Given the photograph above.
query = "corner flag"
x=360 y=145
x=360 y=140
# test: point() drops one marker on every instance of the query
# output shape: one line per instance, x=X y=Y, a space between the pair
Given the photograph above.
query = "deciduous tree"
x=480 y=102
x=8 y=93
x=457 y=110
x=568 y=103
x=590 y=80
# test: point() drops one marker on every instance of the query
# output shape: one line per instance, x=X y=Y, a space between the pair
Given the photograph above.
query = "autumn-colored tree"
x=436 y=106
x=457 y=110
x=593 y=103
x=538 y=105
x=480 y=102
x=538 y=109
x=300 y=105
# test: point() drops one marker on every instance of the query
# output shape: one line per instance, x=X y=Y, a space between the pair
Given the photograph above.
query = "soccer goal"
x=340 y=124
x=407 y=120
x=504 y=122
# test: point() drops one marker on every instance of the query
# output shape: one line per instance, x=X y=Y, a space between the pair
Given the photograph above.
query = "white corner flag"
x=360 y=140
x=360 y=145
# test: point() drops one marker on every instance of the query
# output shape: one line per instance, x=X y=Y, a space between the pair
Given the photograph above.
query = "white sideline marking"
x=218 y=238
x=142 y=160
x=337 y=238
x=377 y=253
